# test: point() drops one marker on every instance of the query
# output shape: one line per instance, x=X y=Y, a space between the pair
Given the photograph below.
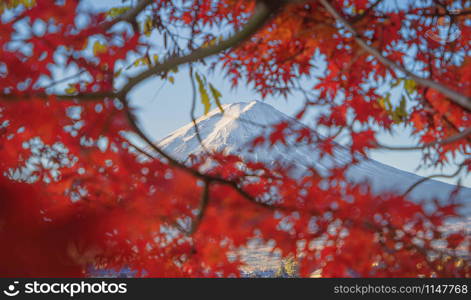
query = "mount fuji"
x=232 y=130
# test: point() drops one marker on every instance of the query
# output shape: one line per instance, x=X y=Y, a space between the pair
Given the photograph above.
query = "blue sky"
x=163 y=107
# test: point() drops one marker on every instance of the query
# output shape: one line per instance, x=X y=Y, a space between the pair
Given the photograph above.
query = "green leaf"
x=71 y=89
x=116 y=11
x=385 y=102
x=409 y=85
x=141 y=61
x=147 y=26
x=99 y=48
x=402 y=104
x=217 y=96
x=401 y=112
x=203 y=94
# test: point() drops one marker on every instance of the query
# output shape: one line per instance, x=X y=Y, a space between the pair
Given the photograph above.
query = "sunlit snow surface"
x=232 y=131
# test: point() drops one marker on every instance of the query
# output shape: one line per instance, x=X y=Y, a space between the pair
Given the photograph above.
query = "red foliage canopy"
x=76 y=194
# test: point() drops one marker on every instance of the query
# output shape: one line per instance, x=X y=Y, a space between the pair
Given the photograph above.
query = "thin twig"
x=62 y=80
x=193 y=108
x=412 y=187
x=45 y=96
x=202 y=207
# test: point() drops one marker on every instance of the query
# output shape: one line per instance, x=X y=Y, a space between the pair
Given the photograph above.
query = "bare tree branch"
x=450 y=140
x=45 y=96
x=202 y=207
x=454 y=14
x=412 y=187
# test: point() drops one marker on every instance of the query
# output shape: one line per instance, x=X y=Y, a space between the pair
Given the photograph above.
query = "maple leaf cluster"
x=77 y=193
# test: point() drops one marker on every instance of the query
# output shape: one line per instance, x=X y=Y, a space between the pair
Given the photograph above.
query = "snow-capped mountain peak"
x=227 y=130
x=230 y=132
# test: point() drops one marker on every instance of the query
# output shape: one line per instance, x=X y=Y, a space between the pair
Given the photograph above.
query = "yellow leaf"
x=217 y=96
x=70 y=90
x=147 y=26
x=116 y=11
x=209 y=43
x=409 y=85
x=98 y=48
x=141 y=61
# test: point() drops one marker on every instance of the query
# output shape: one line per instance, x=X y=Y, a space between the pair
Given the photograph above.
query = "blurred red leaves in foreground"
x=76 y=195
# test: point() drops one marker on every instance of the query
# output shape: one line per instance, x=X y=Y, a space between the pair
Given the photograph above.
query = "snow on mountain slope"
x=240 y=123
